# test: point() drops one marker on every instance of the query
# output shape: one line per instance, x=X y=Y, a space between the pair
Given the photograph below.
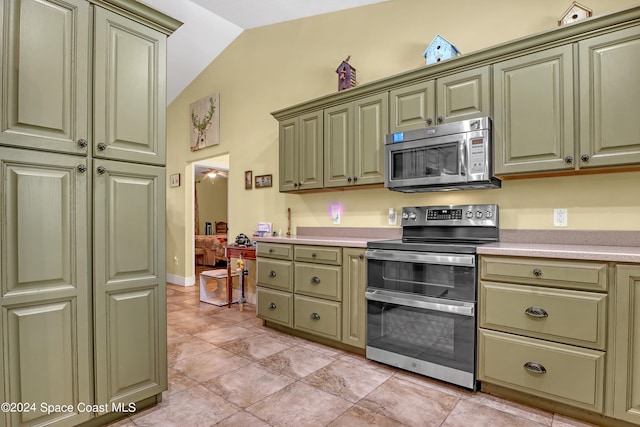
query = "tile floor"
x=226 y=369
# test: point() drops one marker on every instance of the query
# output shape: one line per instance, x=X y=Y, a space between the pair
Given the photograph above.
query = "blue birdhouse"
x=440 y=49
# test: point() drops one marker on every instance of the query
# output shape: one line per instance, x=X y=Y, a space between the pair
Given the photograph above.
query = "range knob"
x=489 y=214
x=412 y=216
x=469 y=214
x=405 y=215
x=479 y=214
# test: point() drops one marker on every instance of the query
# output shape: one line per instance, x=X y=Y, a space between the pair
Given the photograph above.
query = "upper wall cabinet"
x=534 y=106
x=459 y=96
x=301 y=152
x=354 y=142
x=130 y=108
x=533 y=112
x=610 y=99
x=34 y=113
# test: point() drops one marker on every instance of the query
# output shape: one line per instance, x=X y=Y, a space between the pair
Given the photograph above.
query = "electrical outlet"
x=560 y=218
x=175 y=259
x=335 y=213
x=393 y=217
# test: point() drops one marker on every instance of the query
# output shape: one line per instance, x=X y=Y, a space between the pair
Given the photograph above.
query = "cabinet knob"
x=81 y=168
x=585 y=157
x=314 y=316
x=82 y=143
x=102 y=146
x=349 y=179
x=272 y=273
x=536 y=312
x=535 y=368
x=315 y=280
x=440 y=119
x=355 y=178
x=429 y=120
x=271 y=306
x=568 y=160
x=101 y=170
x=313 y=255
x=537 y=272
x=361 y=256
x=295 y=184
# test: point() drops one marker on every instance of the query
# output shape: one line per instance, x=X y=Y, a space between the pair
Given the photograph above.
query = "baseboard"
x=181 y=280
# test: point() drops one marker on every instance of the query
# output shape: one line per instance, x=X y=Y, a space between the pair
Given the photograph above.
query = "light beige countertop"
x=578 y=252
x=348 y=237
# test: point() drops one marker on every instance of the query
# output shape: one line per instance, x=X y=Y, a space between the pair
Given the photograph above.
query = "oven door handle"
x=421 y=257
x=446 y=306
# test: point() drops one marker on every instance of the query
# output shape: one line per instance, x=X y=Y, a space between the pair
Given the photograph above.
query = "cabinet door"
x=626 y=404
x=310 y=171
x=338 y=146
x=371 y=125
x=354 y=306
x=43 y=77
x=464 y=96
x=610 y=99
x=129 y=281
x=533 y=112
x=45 y=299
x=412 y=107
x=288 y=149
x=129 y=91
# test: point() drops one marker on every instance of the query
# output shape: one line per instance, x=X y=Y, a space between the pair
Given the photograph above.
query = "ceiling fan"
x=213 y=173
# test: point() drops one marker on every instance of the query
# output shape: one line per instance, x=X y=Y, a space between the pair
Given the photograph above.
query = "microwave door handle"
x=463 y=158
x=464 y=309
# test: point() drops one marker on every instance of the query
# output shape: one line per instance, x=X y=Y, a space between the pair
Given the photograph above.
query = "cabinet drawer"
x=319 y=254
x=275 y=306
x=275 y=274
x=545 y=272
x=572 y=317
x=573 y=375
x=324 y=281
x=319 y=317
x=274 y=250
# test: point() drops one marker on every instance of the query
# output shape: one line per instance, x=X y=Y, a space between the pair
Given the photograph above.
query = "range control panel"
x=459 y=215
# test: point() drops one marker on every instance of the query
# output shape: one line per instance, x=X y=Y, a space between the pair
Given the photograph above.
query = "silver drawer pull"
x=272 y=273
x=271 y=306
x=315 y=280
x=535 y=368
x=537 y=312
x=315 y=316
x=537 y=272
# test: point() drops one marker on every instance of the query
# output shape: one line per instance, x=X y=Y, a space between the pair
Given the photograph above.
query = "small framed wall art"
x=263 y=181
x=174 y=180
x=248 y=180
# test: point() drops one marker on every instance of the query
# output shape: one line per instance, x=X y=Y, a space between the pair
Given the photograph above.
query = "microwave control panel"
x=478 y=162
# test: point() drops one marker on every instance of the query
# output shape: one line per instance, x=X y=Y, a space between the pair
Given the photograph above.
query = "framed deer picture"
x=205 y=122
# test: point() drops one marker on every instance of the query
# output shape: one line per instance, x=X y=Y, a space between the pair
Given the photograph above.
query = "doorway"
x=209 y=211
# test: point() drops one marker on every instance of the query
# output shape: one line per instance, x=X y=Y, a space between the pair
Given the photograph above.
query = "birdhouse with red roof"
x=346 y=75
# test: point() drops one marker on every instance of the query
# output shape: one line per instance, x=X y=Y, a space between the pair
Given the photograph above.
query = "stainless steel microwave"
x=452 y=156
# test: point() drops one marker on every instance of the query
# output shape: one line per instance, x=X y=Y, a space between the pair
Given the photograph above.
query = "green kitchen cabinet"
x=300 y=152
x=129 y=108
x=45 y=75
x=626 y=330
x=459 y=96
x=354 y=141
x=129 y=281
x=610 y=99
x=533 y=112
x=354 y=305
x=45 y=285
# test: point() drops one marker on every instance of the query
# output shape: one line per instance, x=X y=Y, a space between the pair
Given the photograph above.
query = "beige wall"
x=273 y=67
x=212 y=201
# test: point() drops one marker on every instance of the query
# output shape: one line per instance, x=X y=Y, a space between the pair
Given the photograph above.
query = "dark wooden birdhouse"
x=346 y=75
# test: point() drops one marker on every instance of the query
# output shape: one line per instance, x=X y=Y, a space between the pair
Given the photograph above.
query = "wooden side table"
x=241 y=252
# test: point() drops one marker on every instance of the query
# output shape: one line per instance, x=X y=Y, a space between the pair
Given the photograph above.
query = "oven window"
x=441 y=338
x=425 y=162
x=434 y=280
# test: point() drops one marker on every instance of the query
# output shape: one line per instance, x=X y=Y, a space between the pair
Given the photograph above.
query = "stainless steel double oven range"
x=422 y=291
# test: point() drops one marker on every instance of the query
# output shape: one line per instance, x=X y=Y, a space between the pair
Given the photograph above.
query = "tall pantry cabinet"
x=82 y=217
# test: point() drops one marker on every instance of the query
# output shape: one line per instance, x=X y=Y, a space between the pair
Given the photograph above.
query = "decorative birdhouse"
x=576 y=12
x=440 y=49
x=346 y=75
